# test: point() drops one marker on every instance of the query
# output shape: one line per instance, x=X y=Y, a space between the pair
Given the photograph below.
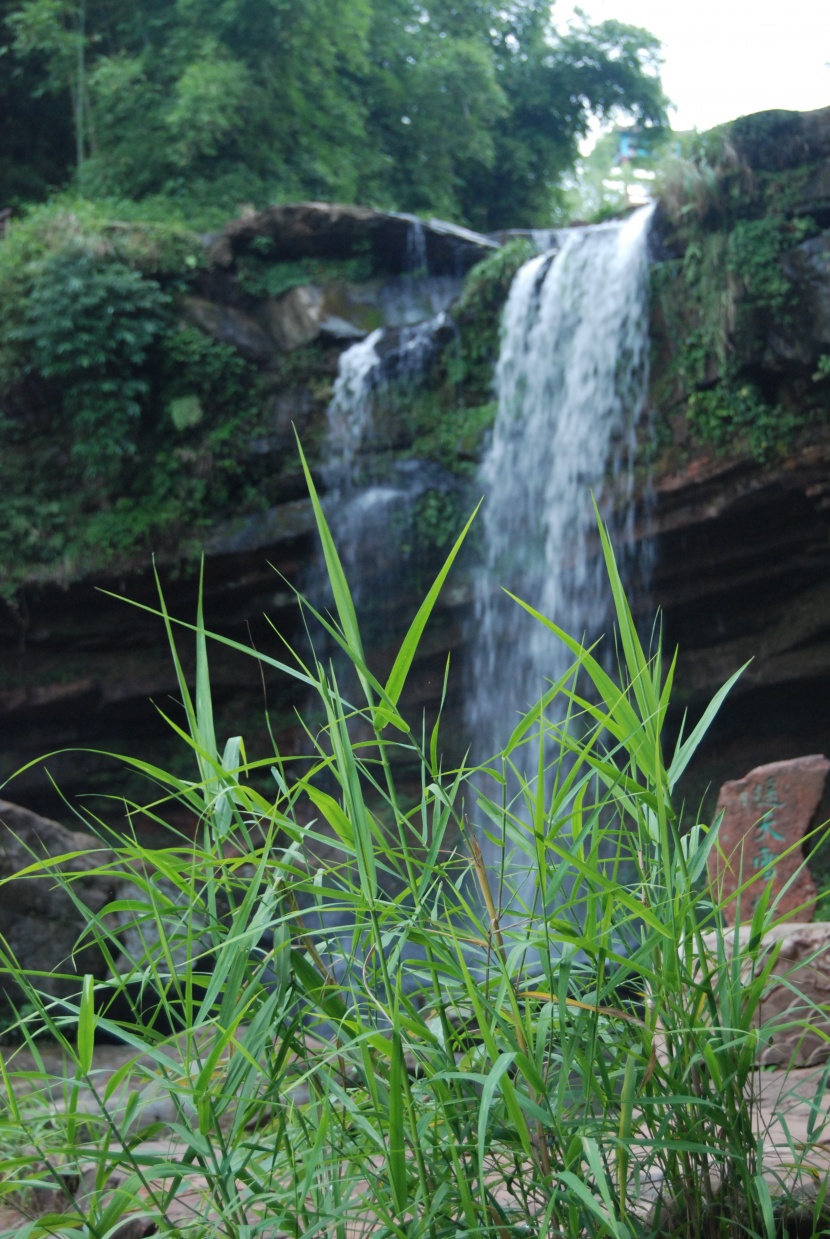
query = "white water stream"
x=571 y=384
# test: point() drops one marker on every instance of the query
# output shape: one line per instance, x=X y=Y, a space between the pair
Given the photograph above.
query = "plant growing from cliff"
x=122 y=427
x=721 y=304
x=736 y=411
x=707 y=184
x=86 y=331
x=374 y=1029
x=478 y=315
x=260 y=275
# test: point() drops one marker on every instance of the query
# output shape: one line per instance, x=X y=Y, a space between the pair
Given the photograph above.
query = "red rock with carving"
x=765 y=817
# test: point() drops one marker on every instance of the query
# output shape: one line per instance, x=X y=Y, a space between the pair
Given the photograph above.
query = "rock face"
x=335 y=231
x=741 y=337
x=38 y=919
x=742 y=537
x=765 y=817
x=784 y=141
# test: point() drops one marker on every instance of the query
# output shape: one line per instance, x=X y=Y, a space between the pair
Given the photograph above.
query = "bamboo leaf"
x=493 y=1081
x=86 y=1025
x=685 y=752
x=343 y=601
x=333 y=814
x=409 y=645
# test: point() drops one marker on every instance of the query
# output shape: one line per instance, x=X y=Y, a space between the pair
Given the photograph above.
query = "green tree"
x=434 y=96
x=56 y=30
x=554 y=87
x=471 y=109
x=36 y=137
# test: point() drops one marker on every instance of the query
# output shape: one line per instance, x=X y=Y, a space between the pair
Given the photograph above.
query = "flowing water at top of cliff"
x=571 y=384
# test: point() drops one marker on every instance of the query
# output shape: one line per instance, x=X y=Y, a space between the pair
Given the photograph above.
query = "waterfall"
x=368 y=505
x=365 y=373
x=571 y=385
x=350 y=409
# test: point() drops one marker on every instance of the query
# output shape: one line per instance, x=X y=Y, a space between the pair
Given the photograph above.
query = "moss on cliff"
x=733 y=355
x=445 y=416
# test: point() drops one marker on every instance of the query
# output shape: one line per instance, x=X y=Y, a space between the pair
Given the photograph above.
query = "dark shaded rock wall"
x=742 y=518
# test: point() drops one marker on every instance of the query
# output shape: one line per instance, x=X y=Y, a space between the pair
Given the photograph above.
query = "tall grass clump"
x=339 y=1022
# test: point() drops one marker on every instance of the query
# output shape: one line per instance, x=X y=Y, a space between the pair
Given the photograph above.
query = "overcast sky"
x=726 y=58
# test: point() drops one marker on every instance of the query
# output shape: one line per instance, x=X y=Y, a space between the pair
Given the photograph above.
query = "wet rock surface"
x=742 y=579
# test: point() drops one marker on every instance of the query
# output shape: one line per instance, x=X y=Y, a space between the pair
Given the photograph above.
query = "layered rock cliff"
x=739 y=443
x=741 y=399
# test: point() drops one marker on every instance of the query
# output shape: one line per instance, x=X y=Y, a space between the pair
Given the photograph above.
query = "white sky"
x=727 y=58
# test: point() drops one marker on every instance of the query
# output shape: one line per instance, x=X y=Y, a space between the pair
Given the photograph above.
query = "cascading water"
x=571 y=384
x=350 y=409
x=395 y=356
x=364 y=374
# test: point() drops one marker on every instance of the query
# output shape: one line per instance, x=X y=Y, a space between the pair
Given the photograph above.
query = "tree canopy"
x=466 y=108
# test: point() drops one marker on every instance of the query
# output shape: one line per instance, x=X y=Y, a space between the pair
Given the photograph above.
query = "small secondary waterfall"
x=571 y=384
x=364 y=374
x=371 y=505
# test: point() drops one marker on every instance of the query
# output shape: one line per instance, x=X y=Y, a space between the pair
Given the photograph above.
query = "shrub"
x=87 y=327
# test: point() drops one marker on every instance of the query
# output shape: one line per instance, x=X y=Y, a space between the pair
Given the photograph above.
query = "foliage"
x=255 y=101
x=609 y=71
x=430 y=524
x=708 y=183
x=478 y=314
x=448 y=431
x=372 y=1029
x=729 y=295
x=260 y=277
x=37 y=132
x=86 y=330
x=728 y=413
x=194 y=364
x=99 y=457
x=756 y=247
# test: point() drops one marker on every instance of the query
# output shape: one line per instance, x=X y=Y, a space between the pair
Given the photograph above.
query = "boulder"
x=765 y=817
x=40 y=923
x=808 y=266
x=780 y=140
x=229 y=326
x=294 y=318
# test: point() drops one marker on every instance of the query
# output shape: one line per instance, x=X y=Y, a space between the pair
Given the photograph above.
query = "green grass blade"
x=343 y=601
x=86 y=1025
x=636 y=662
x=686 y=750
x=492 y=1085
x=397 y=1148
x=206 y=733
x=409 y=645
